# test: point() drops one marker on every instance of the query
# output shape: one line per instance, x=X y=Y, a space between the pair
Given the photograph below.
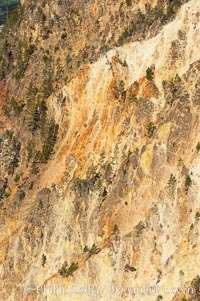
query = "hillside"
x=100 y=151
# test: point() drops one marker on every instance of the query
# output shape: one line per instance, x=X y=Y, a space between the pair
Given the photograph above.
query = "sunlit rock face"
x=114 y=213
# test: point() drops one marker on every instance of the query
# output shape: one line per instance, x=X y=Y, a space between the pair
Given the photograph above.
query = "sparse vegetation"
x=13 y=107
x=114 y=184
x=14 y=18
x=25 y=50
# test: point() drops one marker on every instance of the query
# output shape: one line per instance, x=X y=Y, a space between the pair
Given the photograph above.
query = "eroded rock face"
x=114 y=214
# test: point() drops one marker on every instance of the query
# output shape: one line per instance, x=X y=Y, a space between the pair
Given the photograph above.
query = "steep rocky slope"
x=99 y=152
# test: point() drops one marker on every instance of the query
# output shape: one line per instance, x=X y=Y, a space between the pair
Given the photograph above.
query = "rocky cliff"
x=99 y=151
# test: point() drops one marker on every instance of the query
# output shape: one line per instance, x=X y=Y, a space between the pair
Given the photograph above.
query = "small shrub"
x=45 y=58
x=125 y=34
x=68 y=59
x=21 y=195
x=149 y=74
x=121 y=87
x=17 y=178
x=31 y=186
x=177 y=78
x=47 y=85
x=164 y=83
x=197 y=216
x=86 y=249
x=63 y=35
x=198 y=146
x=128 y=2
x=180 y=163
x=94 y=250
x=33 y=123
x=132 y=97
x=119 y=90
x=66 y=272
x=115 y=229
x=150 y=129
x=35 y=170
x=56 y=48
x=40 y=205
x=85 y=55
x=44 y=259
x=30 y=150
x=188 y=183
x=172 y=180
x=30 y=50
x=123 y=63
x=191 y=227
x=140 y=227
x=196 y=286
x=129 y=268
